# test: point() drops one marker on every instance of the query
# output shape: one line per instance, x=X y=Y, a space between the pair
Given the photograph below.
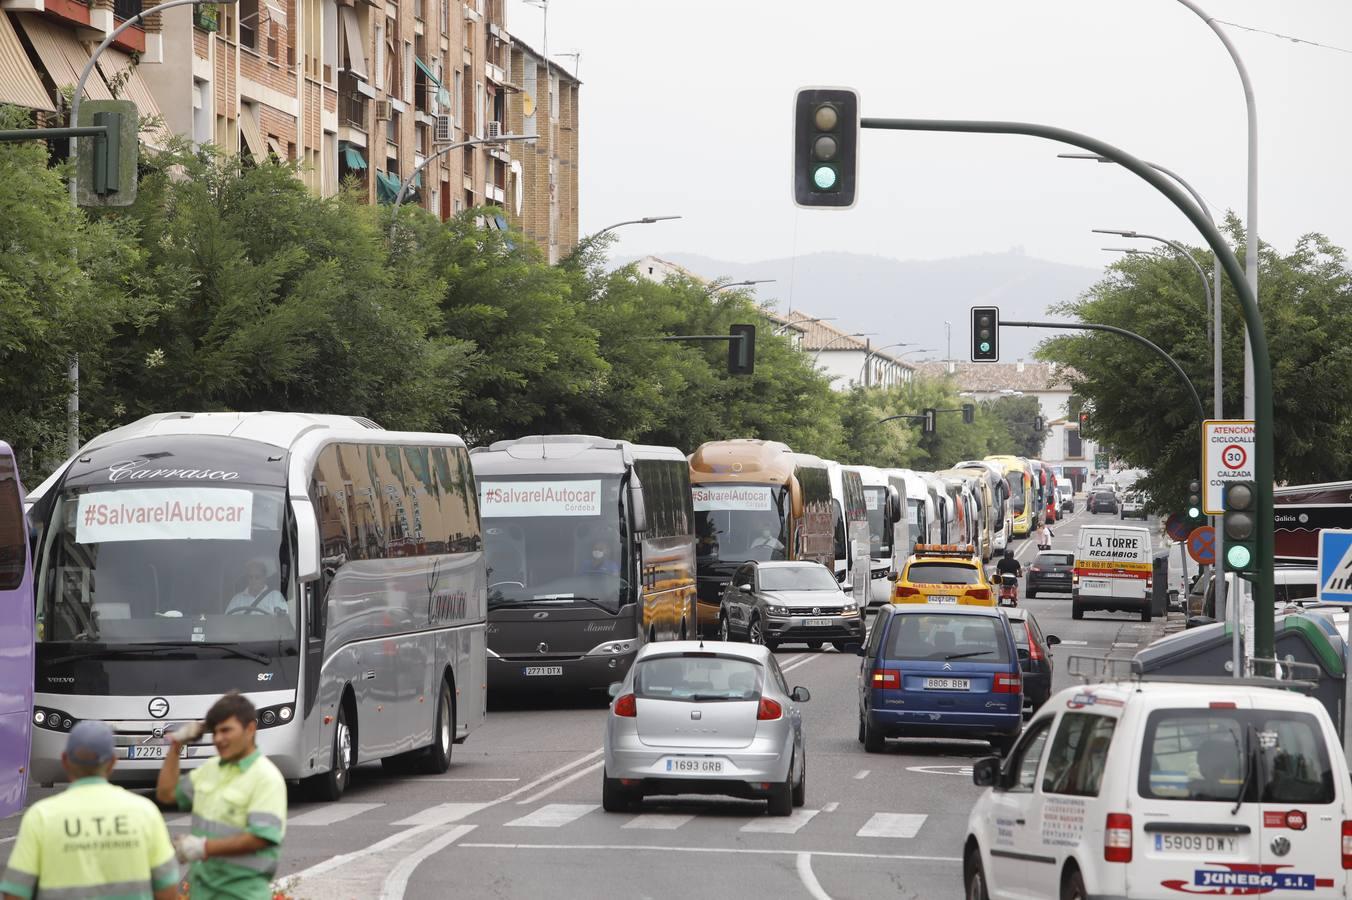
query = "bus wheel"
x=437 y=758
x=329 y=786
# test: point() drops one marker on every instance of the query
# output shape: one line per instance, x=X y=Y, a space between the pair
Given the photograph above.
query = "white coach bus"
x=328 y=569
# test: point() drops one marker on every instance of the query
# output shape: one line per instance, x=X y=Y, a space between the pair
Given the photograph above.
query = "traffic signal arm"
x=741 y=346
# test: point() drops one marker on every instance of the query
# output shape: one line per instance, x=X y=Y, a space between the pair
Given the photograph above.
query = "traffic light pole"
x=1263 y=619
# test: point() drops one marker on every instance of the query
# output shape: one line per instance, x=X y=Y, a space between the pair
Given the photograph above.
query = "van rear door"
x=1113 y=562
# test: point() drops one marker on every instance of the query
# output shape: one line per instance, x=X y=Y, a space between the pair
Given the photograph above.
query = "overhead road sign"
x=1335 y=565
x=1227 y=455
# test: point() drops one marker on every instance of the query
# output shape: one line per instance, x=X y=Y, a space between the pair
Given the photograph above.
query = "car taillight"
x=979 y=593
x=1117 y=838
x=1008 y=684
x=1347 y=844
x=886 y=678
x=1148 y=585
x=626 y=706
x=1034 y=569
x=1074 y=578
x=905 y=590
x=1034 y=651
x=768 y=710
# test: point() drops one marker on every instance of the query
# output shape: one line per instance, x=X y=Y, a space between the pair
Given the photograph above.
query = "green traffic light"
x=985 y=347
x=1238 y=556
x=824 y=177
x=1194 y=513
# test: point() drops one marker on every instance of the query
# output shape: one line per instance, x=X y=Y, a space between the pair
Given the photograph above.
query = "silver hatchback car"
x=707 y=717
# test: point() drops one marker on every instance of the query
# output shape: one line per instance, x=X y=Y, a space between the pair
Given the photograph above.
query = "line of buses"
x=365 y=588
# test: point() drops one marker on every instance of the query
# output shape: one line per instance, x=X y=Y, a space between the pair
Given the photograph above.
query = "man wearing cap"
x=238 y=803
x=93 y=839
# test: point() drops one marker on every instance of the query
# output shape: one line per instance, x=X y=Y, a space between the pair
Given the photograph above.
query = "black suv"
x=1050 y=571
x=1103 y=501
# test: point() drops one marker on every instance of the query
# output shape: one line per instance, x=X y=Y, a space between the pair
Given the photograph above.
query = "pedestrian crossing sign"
x=1335 y=565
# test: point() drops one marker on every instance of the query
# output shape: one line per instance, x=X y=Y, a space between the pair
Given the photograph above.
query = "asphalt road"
x=518 y=814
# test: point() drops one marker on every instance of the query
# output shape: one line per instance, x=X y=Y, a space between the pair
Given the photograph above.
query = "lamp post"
x=646 y=220
x=714 y=288
x=835 y=340
x=473 y=142
x=73 y=364
x=868 y=358
x=1177 y=248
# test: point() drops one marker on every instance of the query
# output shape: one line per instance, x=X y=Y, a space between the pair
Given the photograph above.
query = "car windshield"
x=167 y=563
x=738 y=522
x=698 y=677
x=1055 y=559
x=554 y=542
x=879 y=533
x=940 y=637
x=942 y=573
x=797 y=578
x=1015 y=482
x=1211 y=754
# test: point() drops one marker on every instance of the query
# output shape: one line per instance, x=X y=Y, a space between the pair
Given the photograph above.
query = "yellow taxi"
x=944 y=573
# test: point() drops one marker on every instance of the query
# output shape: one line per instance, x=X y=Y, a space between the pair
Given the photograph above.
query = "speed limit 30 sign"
x=1227 y=455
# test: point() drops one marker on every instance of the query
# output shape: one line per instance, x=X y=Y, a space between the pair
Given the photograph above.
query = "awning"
x=276 y=149
x=427 y=70
x=387 y=187
x=356 y=49
x=20 y=83
x=253 y=137
x=62 y=56
x=113 y=63
x=352 y=155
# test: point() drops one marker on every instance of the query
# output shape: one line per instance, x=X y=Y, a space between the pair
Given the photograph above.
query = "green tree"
x=1015 y=420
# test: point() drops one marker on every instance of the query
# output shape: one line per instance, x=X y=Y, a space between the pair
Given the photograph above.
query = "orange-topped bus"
x=755 y=500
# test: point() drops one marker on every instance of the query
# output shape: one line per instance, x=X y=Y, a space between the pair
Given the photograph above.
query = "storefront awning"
x=113 y=63
x=62 y=56
x=20 y=83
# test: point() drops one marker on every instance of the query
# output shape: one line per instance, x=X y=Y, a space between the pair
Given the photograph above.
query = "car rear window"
x=1055 y=559
x=1269 y=756
x=697 y=677
x=941 y=573
x=936 y=636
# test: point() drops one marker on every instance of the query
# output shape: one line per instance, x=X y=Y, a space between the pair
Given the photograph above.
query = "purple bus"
x=17 y=639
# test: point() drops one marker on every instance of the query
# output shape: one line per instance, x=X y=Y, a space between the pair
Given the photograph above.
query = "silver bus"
x=591 y=553
x=329 y=570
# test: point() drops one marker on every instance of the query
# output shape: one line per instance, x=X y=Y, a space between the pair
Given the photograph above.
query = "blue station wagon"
x=946 y=672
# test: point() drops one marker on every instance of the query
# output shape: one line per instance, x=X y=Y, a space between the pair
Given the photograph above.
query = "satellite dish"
x=527 y=105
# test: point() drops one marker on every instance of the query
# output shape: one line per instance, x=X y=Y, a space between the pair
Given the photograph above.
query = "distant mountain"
x=909 y=300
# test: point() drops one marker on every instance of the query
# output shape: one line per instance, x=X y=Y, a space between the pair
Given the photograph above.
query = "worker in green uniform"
x=238 y=803
x=93 y=839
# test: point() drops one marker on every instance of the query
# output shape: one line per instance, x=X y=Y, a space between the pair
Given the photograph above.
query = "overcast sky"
x=685 y=109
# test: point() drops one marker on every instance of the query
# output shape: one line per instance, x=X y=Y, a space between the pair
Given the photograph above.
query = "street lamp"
x=837 y=339
x=869 y=351
x=417 y=170
x=1177 y=248
x=646 y=220
x=714 y=288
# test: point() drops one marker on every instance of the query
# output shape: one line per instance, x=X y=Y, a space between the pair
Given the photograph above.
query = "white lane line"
x=397 y=881
x=553 y=815
x=525 y=788
x=861 y=774
x=752 y=851
x=809 y=880
x=1066 y=643
x=448 y=780
x=442 y=814
x=780 y=824
x=892 y=825
x=658 y=821
x=8 y=839
x=1117 y=645
x=799 y=664
x=564 y=782
x=831 y=807
x=332 y=813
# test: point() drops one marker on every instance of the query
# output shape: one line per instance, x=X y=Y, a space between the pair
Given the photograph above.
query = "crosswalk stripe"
x=658 y=821
x=892 y=825
x=331 y=813
x=554 y=815
x=443 y=814
x=780 y=824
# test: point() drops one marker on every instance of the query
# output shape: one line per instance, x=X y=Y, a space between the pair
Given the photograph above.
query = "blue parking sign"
x=1335 y=565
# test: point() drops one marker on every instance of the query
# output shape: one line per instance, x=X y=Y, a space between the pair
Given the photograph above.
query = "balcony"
x=125 y=9
x=351 y=102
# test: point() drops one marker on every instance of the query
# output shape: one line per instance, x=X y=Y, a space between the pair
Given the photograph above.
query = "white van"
x=1164 y=789
x=1113 y=570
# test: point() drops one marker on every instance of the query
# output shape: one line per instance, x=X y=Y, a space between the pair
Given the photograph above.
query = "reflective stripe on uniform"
x=264 y=863
x=98 y=892
x=20 y=884
x=245 y=796
x=164 y=874
x=259 y=820
x=207 y=828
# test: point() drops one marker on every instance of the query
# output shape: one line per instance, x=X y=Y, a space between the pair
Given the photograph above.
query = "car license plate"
x=1094 y=585
x=818 y=623
x=152 y=751
x=692 y=765
x=1195 y=843
x=948 y=684
x=543 y=670
x=943 y=598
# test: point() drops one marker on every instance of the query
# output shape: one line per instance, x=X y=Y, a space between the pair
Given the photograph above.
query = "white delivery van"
x=1113 y=569
x=1146 y=789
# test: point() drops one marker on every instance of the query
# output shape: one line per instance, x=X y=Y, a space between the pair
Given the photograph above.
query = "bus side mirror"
x=638 y=509
x=307 y=540
x=893 y=505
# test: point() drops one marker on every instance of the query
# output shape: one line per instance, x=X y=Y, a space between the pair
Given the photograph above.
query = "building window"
x=392 y=127
x=248 y=23
x=1074 y=446
x=424 y=135
x=201 y=112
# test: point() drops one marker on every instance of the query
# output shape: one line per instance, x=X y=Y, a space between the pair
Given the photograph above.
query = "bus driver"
x=258 y=596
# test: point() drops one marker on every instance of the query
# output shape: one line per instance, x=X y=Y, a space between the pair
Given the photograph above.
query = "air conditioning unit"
x=443 y=131
x=493 y=131
x=382 y=110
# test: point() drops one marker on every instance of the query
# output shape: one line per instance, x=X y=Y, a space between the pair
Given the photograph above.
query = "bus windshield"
x=1016 y=495
x=739 y=522
x=879 y=533
x=554 y=542
x=167 y=565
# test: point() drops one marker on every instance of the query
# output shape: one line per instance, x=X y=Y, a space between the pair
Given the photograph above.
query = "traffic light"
x=931 y=416
x=1239 y=500
x=1193 y=510
x=742 y=350
x=985 y=334
x=968 y=413
x=1084 y=421
x=105 y=166
x=1038 y=424
x=825 y=147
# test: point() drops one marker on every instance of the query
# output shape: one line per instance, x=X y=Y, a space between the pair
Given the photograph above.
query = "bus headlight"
x=53 y=719
x=272 y=716
x=612 y=648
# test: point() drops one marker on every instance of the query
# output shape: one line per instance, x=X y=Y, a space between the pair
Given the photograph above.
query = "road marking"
x=397 y=881
x=861 y=774
x=1066 y=643
x=780 y=824
x=442 y=814
x=564 y=782
x=892 y=825
x=752 y=851
x=799 y=664
x=1118 y=645
x=447 y=780
x=831 y=807
x=941 y=770
x=553 y=815
x=658 y=821
x=809 y=880
x=331 y=814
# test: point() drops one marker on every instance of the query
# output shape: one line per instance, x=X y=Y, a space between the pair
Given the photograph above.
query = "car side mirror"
x=986 y=772
x=1052 y=640
x=801 y=695
x=893 y=576
x=614 y=689
x=744 y=588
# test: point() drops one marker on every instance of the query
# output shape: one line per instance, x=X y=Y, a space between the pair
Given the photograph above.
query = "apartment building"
x=351 y=89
